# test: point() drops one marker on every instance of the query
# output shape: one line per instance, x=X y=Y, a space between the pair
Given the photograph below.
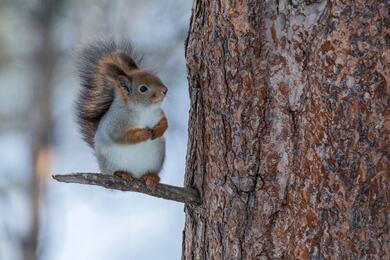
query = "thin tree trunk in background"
x=287 y=133
x=45 y=58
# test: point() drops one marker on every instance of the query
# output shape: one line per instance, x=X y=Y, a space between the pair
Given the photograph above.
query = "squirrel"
x=119 y=111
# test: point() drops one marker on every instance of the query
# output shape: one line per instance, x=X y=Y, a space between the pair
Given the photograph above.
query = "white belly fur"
x=138 y=158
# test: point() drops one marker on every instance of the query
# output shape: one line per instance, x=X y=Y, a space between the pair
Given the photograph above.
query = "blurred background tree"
x=41 y=219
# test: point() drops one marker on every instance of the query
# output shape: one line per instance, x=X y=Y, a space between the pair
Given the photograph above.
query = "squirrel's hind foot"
x=127 y=176
x=151 y=179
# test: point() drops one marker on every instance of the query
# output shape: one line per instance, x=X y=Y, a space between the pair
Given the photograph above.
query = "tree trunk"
x=288 y=130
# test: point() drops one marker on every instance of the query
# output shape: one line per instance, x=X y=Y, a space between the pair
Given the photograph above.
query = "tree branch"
x=179 y=194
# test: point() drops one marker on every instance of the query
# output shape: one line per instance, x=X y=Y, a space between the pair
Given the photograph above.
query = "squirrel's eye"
x=143 y=88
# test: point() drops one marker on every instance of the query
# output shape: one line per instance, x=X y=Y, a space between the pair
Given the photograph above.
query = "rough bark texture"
x=288 y=130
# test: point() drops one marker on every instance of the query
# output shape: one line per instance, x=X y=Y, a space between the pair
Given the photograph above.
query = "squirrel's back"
x=97 y=93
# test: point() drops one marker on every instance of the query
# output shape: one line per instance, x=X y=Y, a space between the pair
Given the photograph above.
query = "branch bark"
x=179 y=194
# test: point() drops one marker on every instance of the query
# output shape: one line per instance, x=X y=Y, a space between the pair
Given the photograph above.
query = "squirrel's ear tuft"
x=114 y=71
x=128 y=60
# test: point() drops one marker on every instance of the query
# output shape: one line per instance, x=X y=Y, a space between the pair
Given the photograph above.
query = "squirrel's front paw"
x=160 y=128
x=151 y=179
x=143 y=134
x=135 y=135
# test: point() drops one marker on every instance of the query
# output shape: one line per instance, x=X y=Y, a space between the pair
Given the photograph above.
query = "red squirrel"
x=119 y=111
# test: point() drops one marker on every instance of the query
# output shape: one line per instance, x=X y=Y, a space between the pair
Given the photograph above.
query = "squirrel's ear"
x=117 y=75
x=124 y=83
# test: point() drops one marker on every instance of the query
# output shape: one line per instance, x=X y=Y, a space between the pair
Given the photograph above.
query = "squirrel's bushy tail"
x=97 y=93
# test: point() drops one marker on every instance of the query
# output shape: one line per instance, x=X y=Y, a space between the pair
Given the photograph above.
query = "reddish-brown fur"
x=160 y=128
x=127 y=176
x=136 y=135
x=108 y=71
x=151 y=179
x=98 y=88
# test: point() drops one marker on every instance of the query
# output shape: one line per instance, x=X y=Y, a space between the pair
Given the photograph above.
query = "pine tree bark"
x=288 y=130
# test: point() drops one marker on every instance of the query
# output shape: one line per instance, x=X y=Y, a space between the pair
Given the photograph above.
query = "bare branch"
x=185 y=195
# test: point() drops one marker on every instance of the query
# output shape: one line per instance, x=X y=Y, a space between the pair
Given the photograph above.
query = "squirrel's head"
x=136 y=86
x=140 y=88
